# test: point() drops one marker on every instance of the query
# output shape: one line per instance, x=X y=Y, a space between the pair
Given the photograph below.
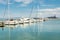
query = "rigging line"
x=5 y=9
x=8 y=5
x=31 y=12
x=40 y=25
x=38 y=9
x=8 y=17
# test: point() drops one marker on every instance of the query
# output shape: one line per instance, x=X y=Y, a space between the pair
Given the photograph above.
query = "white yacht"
x=11 y=22
x=25 y=20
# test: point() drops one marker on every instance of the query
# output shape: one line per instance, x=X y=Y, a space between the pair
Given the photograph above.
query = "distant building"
x=52 y=16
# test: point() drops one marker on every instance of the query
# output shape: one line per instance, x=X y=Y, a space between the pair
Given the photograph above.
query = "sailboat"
x=40 y=19
x=23 y=20
x=37 y=18
x=10 y=20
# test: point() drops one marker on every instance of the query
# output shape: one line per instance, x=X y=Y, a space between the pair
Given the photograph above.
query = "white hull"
x=22 y=22
x=10 y=22
x=41 y=20
x=25 y=20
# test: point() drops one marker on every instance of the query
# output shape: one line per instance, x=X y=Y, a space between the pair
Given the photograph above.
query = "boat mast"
x=8 y=8
x=8 y=15
x=38 y=8
x=5 y=9
x=31 y=11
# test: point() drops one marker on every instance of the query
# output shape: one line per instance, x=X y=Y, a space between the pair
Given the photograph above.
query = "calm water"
x=48 y=30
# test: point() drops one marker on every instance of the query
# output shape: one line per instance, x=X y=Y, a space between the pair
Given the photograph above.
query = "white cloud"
x=24 y=2
x=48 y=12
x=45 y=5
x=23 y=5
x=17 y=0
x=2 y=2
x=41 y=2
x=50 y=9
x=5 y=2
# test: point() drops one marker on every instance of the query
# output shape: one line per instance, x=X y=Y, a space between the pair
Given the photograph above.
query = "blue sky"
x=25 y=8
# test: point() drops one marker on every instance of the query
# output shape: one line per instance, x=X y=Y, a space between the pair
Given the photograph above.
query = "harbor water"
x=48 y=30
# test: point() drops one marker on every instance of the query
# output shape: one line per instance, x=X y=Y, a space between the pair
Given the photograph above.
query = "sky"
x=29 y=8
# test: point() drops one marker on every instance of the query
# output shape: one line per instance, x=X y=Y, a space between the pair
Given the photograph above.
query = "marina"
x=24 y=21
x=29 y=20
x=48 y=30
x=21 y=21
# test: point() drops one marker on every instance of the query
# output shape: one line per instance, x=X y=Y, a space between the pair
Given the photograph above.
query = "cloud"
x=17 y=0
x=23 y=5
x=51 y=10
x=2 y=2
x=24 y=2
x=27 y=2
x=48 y=12
x=45 y=5
x=5 y=2
x=41 y=2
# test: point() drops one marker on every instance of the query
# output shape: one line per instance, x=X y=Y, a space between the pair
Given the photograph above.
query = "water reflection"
x=25 y=25
x=2 y=28
x=49 y=30
x=48 y=26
